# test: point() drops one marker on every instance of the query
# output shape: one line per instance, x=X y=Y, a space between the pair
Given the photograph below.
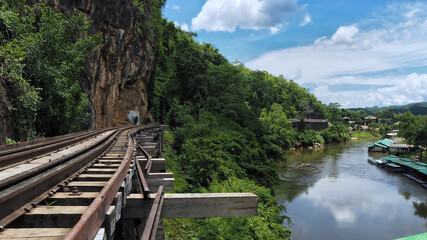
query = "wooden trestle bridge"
x=99 y=184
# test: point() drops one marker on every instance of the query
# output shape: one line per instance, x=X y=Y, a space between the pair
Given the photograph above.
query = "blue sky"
x=357 y=53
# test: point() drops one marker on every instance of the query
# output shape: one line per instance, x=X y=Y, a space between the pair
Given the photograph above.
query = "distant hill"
x=419 y=108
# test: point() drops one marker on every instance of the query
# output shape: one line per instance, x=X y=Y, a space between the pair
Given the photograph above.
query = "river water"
x=334 y=193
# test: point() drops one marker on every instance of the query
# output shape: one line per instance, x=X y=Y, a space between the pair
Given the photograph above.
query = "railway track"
x=105 y=184
x=57 y=193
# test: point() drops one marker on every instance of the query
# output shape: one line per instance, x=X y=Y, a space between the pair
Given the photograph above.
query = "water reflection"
x=420 y=209
x=333 y=193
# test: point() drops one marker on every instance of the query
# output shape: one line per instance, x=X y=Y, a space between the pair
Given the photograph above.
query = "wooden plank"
x=50 y=216
x=154 y=183
x=100 y=170
x=34 y=233
x=157 y=164
x=110 y=160
x=72 y=199
x=69 y=195
x=195 y=205
x=103 y=165
x=112 y=216
x=60 y=210
x=115 y=155
x=168 y=183
x=159 y=175
x=100 y=235
x=85 y=184
x=91 y=176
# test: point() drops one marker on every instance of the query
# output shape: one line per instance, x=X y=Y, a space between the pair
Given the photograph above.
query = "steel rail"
x=36 y=170
x=147 y=168
x=31 y=192
x=20 y=194
x=24 y=146
x=18 y=155
x=152 y=223
x=94 y=216
x=143 y=186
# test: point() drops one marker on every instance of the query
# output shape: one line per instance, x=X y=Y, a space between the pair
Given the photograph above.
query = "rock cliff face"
x=114 y=73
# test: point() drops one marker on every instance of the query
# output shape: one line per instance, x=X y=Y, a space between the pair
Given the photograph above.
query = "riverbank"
x=334 y=193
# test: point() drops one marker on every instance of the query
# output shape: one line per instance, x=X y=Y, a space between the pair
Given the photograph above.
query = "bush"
x=267 y=225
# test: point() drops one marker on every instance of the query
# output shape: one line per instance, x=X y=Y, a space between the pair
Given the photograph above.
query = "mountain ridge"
x=418 y=108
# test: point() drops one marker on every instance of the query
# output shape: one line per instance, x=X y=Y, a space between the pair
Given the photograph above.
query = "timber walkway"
x=104 y=184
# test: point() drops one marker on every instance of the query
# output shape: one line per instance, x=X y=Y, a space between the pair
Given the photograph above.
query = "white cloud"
x=345 y=35
x=183 y=26
x=349 y=208
x=276 y=28
x=353 y=54
x=225 y=15
x=176 y=7
x=306 y=20
x=397 y=90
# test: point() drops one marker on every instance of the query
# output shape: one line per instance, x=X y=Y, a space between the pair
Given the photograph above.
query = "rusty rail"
x=16 y=155
x=143 y=186
x=22 y=195
x=37 y=170
x=23 y=192
x=150 y=229
x=147 y=168
x=24 y=146
x=93 y=217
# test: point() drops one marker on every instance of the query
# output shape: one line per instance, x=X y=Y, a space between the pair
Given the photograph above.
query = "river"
x=334 y=193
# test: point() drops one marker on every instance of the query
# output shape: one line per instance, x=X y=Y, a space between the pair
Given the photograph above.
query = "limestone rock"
x=114 y=74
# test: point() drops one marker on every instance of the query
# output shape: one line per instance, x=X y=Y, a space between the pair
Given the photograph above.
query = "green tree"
x=408 y=127
x=41 y=55
x=279 y=128
x=333 y=112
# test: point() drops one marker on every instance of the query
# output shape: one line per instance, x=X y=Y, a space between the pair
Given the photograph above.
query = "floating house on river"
x=400 y=148
x=381 y=146
x=414 y=170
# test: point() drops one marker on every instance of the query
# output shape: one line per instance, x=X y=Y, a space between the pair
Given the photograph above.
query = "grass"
x=365 y=134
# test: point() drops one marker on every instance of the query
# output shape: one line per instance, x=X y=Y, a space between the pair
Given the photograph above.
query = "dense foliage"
x=414 y=130
x=229 y=127
x=41 y=55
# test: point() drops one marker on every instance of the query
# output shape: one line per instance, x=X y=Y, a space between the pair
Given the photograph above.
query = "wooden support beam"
x=159 y=175
x=195 y=205
x=156 y=182
x=112 y=216
x=157 y=164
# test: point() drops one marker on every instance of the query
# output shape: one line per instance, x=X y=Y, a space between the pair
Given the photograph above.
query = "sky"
x=360 y=53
